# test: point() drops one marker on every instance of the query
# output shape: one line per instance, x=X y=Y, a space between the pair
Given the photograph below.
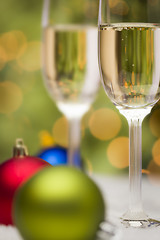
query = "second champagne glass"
x=70 y=62
x=129 y=59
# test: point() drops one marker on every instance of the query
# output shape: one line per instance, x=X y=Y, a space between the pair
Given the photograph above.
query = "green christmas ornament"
x=59 y=203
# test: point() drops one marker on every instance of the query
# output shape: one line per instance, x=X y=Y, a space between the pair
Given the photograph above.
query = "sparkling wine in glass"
x=70 y=68
x=129 y=60
x=70 y=62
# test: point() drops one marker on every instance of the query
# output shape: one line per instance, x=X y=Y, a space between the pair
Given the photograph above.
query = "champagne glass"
x=129 y=60
x=70 y=62
x=71 y=73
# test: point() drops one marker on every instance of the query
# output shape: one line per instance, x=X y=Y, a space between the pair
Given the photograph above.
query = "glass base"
x=141 y=223
x=135 y=215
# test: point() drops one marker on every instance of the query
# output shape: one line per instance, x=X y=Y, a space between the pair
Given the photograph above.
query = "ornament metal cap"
x=20 y=149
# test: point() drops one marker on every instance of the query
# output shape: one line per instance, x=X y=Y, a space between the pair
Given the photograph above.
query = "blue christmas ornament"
x=54 y=155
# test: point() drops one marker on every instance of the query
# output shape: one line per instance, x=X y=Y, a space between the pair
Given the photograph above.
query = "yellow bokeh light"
x=119 y=7
x=10 y=97
x=46 y=139
x=118 y=152
x=113 y=3
x=3 y=58
x=154 y=172
x=156 y=152
x=154 y=123
x=145 y=171
x=86 y=117
x=89 y=167
x=60 y=132
x=153 y=2
x=90 y=9
x=104 y=124
x=30 y=59
x=13 y=43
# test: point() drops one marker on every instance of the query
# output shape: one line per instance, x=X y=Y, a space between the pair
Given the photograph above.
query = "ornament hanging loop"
x=20 y=149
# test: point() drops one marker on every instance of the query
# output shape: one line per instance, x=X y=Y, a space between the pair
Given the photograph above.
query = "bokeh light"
x=14 y=44
x=89 y=167
x=30 y=59
x=90 y=9
x=3 y=57
x=10 y=97
x=113 y=3
x=46 y=139
x=20 y=59
x=154 y=123
x=104 y=123
x=86 y=117
x=154 y=172
x=145 y=171
x=118 y=152
x=119 y=7
x=156 y=152
x=60 y=132
x=153 y=2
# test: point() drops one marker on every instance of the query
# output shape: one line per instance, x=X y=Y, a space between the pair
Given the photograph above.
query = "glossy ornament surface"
x=54 y=155
x=59 y=203
x=13 y=173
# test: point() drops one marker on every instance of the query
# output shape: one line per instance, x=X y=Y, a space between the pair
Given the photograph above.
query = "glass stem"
x=135 y=145
x=74 y=157
x=74 y=113
x=135 y=118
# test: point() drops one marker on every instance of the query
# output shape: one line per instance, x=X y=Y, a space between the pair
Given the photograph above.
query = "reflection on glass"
x=70 y=65
x=129 y=59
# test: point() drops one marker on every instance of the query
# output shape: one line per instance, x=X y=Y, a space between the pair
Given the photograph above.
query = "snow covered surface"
x=116 y=194
x=9 y=233
x=115 y=191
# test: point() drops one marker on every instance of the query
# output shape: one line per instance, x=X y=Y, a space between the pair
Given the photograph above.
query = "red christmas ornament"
x=13 y=173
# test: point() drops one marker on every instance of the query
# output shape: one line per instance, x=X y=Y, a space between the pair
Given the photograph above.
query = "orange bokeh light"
x=30 y=59
x=154 y=123
x=60 y=132
x=118 y=152
x=104 y=124
x=14 y=44
x=11 y=97
x=156 y=152
x=154 y=172
x=89 y=167
x=3 y=57
x=119 y=7
x=46 y=139
x=145 y=171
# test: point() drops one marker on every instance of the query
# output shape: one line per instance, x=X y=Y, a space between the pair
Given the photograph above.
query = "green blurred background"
x=27 y=111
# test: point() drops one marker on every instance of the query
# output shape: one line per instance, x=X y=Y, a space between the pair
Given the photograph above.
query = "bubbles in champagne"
x=70 y=63
x=130 y=63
